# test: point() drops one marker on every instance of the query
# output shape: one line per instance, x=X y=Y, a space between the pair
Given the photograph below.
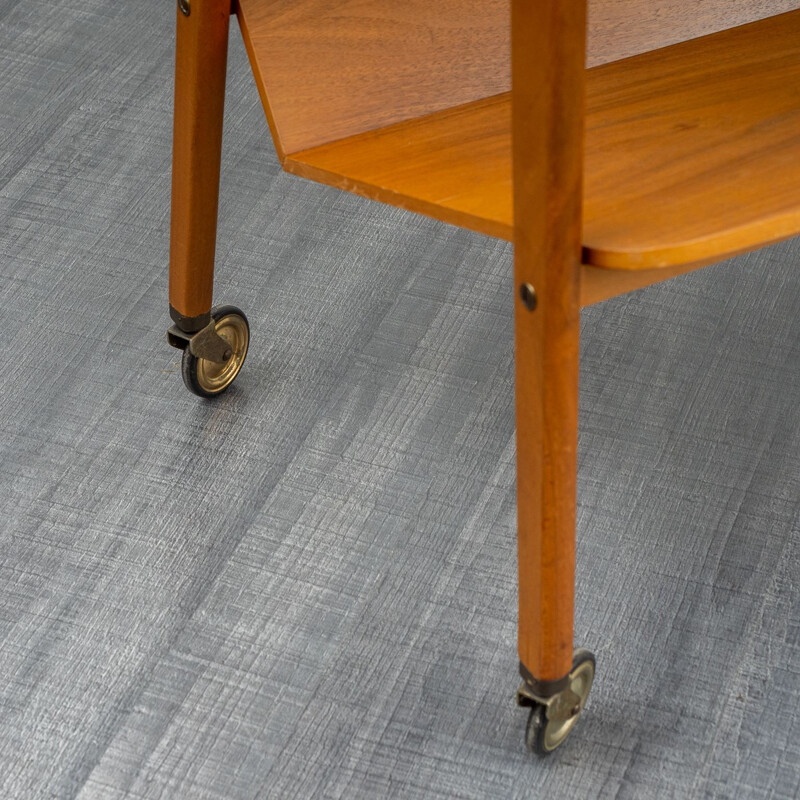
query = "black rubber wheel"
x=543 y=735
x=206 y=378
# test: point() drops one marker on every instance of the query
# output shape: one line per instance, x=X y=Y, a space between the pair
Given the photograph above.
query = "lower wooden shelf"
x=692 y=154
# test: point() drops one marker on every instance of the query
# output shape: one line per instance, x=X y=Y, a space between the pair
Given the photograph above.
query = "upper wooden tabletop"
x=331 y=70
x=692 y=153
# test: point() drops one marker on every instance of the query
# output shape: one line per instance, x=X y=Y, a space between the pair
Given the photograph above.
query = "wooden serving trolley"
x=661 y=157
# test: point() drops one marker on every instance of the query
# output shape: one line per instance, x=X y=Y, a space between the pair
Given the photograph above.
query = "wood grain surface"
x=691 y=153
x=547 y=128
x=331 y=70
x=200 y=63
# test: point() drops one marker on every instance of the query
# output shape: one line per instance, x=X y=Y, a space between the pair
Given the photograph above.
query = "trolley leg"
x=200 y=64
x=548 y=46
x=214 y=340
x=547 y=418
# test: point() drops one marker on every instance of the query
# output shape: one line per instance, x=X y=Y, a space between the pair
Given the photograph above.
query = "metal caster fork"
x=553 y=717
x=213 y=357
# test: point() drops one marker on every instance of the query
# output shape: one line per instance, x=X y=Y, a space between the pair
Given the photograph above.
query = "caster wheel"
x=551 y=721
x=208 y=378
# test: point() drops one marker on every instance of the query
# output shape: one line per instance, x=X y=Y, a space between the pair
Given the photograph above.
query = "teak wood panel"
x=329 y=70
x=691 y=153
x=326 y=70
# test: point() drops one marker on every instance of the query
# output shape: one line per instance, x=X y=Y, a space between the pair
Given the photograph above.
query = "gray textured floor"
x=307 y=589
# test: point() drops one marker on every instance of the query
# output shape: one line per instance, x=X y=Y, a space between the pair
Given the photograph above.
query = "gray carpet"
x=308 y=588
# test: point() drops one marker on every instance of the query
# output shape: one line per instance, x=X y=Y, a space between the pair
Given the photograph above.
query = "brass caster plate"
x=208 y=378
x=552 y=719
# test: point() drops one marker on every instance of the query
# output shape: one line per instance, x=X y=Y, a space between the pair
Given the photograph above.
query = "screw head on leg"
x=528 y=296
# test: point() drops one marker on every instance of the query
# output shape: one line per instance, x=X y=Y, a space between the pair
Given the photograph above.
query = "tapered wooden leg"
x=547 y=400
x=200 y=64
x=548 y=46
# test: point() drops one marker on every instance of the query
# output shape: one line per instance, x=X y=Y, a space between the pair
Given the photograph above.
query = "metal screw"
x=226 y=356
x=528 y=295
x=185 y=8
